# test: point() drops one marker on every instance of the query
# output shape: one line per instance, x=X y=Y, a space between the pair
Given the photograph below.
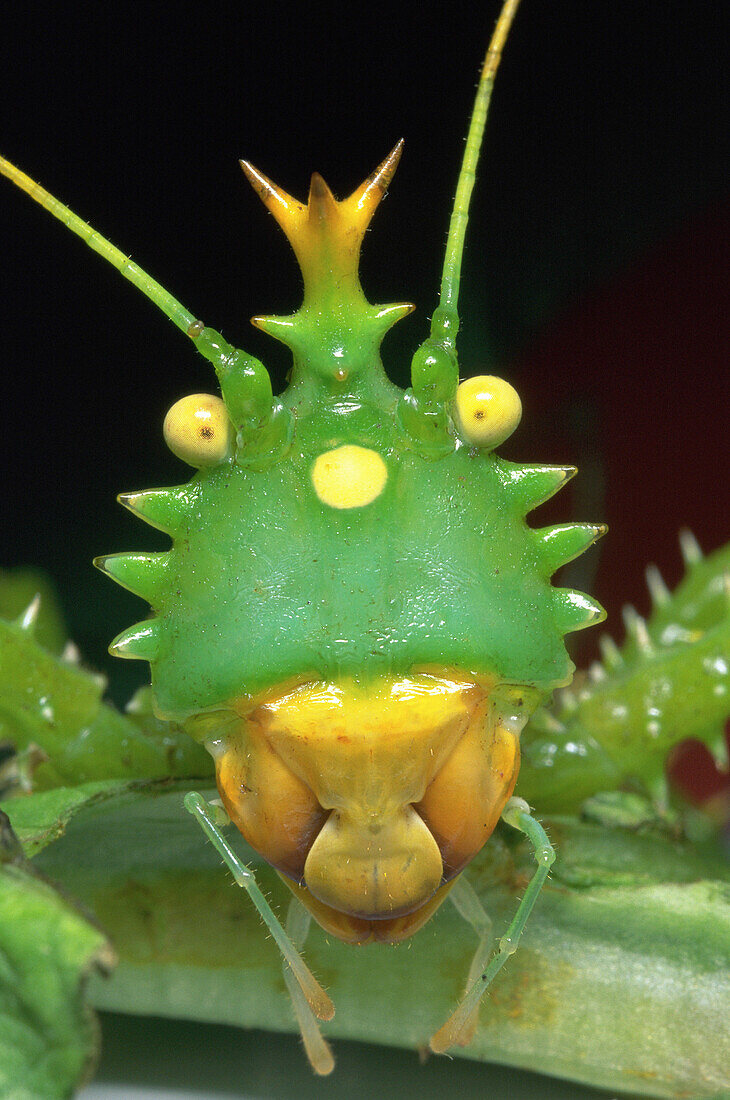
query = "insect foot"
x=517 y=814
x=308 y=997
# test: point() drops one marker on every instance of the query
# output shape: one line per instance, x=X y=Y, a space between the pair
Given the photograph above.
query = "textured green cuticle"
x=263 y=427
x=434 y=372
x=244 y=380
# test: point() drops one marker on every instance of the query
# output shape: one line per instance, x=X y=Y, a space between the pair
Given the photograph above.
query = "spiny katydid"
x=351 y=577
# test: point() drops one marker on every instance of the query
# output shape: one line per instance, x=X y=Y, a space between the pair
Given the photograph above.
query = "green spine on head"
x=165 y=509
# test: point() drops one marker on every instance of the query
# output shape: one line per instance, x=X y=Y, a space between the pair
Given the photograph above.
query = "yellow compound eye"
x=488 y=410
x=198 y=431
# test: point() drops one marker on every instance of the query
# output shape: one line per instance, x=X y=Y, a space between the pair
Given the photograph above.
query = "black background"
x=608 y=135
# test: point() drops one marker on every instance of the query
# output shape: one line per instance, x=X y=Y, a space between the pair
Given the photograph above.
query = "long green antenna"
x=130 y=270
x=244 y=380
x=424 y=409
x=446 y=319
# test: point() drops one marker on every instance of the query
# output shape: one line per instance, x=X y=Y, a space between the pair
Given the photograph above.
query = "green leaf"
x=18 y=588
x=41 y=818
x=51 y=705
x=48 y=1037
x=622 y=980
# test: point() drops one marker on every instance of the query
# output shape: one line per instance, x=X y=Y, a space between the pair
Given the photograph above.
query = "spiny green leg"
x=517 y=814
x=468 y=906
x=318 y=1051
x=208 y=817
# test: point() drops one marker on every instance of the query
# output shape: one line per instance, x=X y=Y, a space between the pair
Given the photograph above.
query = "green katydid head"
x=345 y=528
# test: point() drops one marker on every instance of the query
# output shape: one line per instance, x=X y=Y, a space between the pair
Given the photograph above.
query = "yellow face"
x=369 y=800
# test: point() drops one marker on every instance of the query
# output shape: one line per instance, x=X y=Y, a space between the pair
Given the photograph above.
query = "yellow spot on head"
x=198 y=431
x=349 y=476
x=488 y=410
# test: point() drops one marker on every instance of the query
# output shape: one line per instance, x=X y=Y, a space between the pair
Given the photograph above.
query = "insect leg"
x=312 y=991
x=317 y=1048
x=517 y=814
x=468 y=906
